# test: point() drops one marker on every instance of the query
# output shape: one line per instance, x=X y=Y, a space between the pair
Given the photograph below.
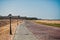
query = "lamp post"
x=18 y=19
x=10 y=24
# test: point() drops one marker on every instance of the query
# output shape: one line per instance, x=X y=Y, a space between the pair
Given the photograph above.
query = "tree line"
x=15 y=17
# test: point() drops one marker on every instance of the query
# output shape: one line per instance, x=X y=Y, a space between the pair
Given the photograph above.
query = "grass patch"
x=50 y=24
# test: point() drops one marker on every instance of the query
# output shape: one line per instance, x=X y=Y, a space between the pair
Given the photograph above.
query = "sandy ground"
x=4 y=31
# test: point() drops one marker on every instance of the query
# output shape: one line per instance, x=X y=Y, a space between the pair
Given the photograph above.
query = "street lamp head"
x=10 y=15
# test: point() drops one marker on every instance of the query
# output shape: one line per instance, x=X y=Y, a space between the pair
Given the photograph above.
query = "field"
x=49 y=22
x=5 y=29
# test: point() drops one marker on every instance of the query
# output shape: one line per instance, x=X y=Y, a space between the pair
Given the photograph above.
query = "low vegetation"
x=50 y=23
x=5 y=28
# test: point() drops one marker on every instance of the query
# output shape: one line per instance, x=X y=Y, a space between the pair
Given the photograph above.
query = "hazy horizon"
x=45 y=9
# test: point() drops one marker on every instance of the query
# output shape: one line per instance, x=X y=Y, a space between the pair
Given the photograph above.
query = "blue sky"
x=45 y=9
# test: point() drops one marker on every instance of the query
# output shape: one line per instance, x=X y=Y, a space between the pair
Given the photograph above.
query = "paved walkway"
x=22 y=33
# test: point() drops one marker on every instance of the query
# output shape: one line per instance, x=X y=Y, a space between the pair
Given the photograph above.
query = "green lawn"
x=50 y=24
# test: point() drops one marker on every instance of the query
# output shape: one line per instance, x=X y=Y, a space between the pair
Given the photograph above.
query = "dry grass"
x=49 y=22
x=4 y=29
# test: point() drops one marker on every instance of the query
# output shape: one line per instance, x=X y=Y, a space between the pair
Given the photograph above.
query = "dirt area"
x=3 y=22
x=5 y=29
